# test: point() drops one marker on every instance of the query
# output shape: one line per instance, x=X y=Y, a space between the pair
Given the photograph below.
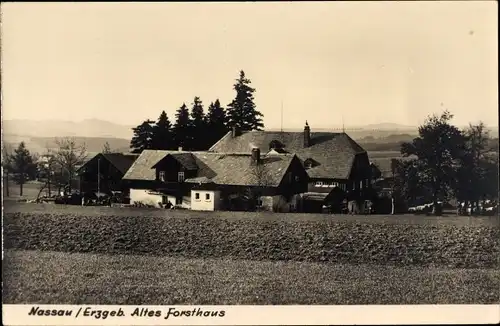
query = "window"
x=197 y=196
x=161 y=176
x=361 y=184
x=180 y=176
x=319 y=183
x=276 y=145
x=178 y=201
x=207 y=196
x=297 y=178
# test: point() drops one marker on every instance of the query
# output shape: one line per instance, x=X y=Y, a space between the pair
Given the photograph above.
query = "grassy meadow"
x=82 y=278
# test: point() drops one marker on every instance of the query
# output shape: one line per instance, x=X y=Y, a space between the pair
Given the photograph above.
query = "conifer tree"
x=216 y=121
x=182 y=128
x=143 y=137
x=198 y=126
x=23 y=166
x=241 y=111
x=162 y=133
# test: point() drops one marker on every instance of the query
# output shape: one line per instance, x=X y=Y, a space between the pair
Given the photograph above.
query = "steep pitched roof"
x=186 y=159
x=220 y=168
x=121 y=161
x=142 y=167
x=335 y=152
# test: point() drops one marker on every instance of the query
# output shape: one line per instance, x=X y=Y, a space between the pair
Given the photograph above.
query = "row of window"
x=327 y=184
x=180 y=176
x=197 y=196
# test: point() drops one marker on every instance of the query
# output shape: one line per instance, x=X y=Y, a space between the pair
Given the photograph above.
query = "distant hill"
x=38 y=135
x=61 y=128
x=93 y=144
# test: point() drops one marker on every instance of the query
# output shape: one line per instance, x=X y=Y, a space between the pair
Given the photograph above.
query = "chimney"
x=255 y=155
x=180 y=149
x=234 y=132
x=307 y=135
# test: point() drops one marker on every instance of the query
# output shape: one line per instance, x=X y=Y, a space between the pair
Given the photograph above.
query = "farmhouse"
x=338 y=168
x=104 y=172
x=212 y=181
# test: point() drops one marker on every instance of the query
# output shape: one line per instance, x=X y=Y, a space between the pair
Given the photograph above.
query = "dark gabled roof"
x=220 y=168
x=121 y=161
x=334 y=152
x=186 y=159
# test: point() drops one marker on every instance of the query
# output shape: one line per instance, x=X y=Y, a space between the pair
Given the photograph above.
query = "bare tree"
x=106 y=148
x=47 y=168
x=261 y=177
x=69 y=156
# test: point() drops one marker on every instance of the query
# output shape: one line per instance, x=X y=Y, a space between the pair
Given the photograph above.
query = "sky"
x=330 y=63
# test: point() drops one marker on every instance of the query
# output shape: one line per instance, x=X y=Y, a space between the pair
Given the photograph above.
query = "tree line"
x=450 y=164
x=195 y=130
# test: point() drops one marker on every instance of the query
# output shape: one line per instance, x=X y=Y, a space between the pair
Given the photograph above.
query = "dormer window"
x=276 y=145
x=309 y=163
x=161 y=176
x=180 y=176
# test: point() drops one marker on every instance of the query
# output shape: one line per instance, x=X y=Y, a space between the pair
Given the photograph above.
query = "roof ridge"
x=220 y=140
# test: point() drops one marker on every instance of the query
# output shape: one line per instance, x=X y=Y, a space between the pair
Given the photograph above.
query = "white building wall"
x=203 y=204
x=145 y=196
x=186 y=202
x=148 y=197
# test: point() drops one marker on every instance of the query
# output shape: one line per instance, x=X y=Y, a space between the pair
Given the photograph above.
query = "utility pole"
x=281 y=115
x=98 y=176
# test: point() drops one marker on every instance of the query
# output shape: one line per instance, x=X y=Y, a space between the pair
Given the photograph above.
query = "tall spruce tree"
x=182 y=128
x=198 y=126
x=143 y=137
x=241 y=111
x=216 y=121
x=162 y=133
